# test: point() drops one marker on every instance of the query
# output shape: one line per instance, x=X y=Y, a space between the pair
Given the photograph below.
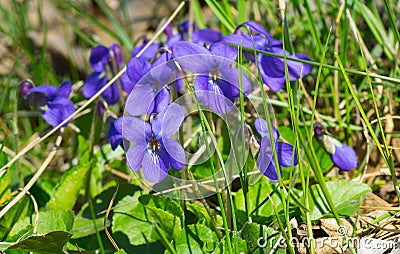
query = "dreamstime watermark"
x=334 y=242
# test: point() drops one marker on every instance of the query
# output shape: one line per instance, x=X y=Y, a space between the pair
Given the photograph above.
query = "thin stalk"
x=98 y=237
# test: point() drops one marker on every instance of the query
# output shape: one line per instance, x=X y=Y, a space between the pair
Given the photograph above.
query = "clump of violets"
x=285 y=152
x=154 y=149
x=105 y=61
x=272 y=69
x=343 y=156
x=52 y=102
x=216 y=83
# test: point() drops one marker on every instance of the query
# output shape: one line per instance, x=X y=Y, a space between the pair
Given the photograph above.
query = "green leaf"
x=196 y=238
x=4 y=184
x=346 y=195
x=132 y=221
x=16 y=213
x=167 y=212
x=67 y=191
x=84 y=227
x=56 y=220
x=50 y=243
x=202 y=216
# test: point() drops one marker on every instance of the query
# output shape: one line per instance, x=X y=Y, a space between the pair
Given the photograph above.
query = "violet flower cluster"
x=210 y=60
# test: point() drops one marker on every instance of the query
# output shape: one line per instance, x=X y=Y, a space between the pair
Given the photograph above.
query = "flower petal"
x=134 y=156
x=207 y=35
x=126 y=83
x=93 y=84
x=140 y=100
x=114 y=136
x=149 y=53
x=193 y=57
x=161 y=101
x=176 y=154
x=99 y=57
x=64 y=90
x=262 y=128
x=57 y=111
x=344 y=157
x=227 y=53
x=210 y=94
x=285 y=151
x=265 y=160
x=171 y=121
x=231 y=75
x=48 y=91
x=116 y=50
x=111 y=94
x=135 y=129
x=154 y=169
x=136 y=68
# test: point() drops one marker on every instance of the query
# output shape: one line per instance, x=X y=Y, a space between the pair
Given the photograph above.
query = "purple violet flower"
x=154 y=149
x=265 y=161
x=150 y=93
x=216 y=83
x=115 y=133
x=53 y=103
x=102 y=57
x=343 y=156
x=272 y=69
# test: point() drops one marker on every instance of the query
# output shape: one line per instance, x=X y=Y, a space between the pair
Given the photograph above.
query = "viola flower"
x=53 y=103
x=199 y=36
x=216 y=83
x=343 y=156
x=154 y=149
x=102 y=57
x=150 y=93
x=272 y=69
x=115 y=133
x=284 y=151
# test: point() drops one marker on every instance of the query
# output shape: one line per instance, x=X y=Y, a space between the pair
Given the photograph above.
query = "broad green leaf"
x=196 y=238
x=67 y=191
x=50 y=243
x=166 y=212
x=55 y=220
x=133 y=222
x=16 y=213
x=346 y=195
